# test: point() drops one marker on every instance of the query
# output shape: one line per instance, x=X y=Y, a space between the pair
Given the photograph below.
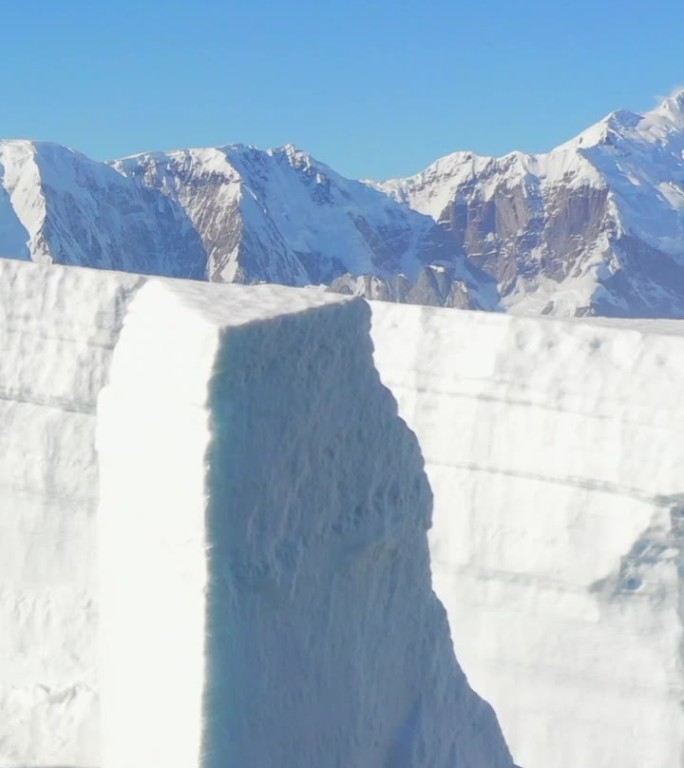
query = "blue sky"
x=374 y=88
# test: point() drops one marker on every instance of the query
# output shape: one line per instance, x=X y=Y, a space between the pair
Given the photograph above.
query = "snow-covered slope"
x=58 y=206
x=230 y=214
x=555 y=454
x=594 y=227
x=281 y=216
x=262 y=571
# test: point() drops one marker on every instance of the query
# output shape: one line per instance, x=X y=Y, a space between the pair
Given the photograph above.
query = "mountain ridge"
x=595 y=226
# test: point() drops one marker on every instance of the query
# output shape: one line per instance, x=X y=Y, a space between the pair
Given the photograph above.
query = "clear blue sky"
x=374 y=88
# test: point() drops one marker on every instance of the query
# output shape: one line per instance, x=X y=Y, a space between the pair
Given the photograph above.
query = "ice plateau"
x=214 y=536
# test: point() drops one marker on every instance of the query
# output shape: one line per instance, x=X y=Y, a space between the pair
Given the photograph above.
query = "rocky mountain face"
x=594 y=227
x=280 y=216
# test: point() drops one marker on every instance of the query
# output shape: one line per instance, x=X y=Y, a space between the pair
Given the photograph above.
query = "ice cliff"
x=554 y=451
x=57 y=330
x=214 y=530
x=214 y=538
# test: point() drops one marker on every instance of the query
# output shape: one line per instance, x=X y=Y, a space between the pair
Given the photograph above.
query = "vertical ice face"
x=555 y=456
x=57 y=329
x=256 y=574
x=264 y=569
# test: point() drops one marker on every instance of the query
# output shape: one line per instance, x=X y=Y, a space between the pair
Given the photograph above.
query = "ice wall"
x=266 y=579
x=57 y=329
x=253 y=586
x=556 y=456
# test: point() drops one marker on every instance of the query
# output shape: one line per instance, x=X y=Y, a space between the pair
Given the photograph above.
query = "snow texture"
x=254 y=583
x=262 y=586
x=554 y=451
x=57 y=329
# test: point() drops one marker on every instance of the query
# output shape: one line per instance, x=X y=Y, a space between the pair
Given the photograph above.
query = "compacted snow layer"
x=254 y=586
x=57 y=329
x=556 y=457
x=262 y=588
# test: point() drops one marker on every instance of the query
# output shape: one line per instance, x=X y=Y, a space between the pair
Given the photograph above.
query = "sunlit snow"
x=214 y=538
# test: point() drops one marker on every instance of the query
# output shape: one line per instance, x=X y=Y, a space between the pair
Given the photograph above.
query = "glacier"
x=554 y=451
x=218 y=538
x=57 y=330
x=214 y=536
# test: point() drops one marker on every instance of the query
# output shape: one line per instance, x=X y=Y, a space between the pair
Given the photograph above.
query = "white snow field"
x=555 y=452
x=239 y=574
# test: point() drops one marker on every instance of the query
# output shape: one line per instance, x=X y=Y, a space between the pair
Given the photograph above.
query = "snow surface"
x=554 y=451
x=57 y=329
x=262 y=583
x=256 y=573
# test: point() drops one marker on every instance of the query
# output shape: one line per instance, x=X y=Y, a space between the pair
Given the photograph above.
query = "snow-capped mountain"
x=281 y=216
x=56 y=205
x=594 y=227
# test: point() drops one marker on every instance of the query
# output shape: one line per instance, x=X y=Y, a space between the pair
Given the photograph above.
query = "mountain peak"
x=293 y=154
x=673 y=105
x=658 y=125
